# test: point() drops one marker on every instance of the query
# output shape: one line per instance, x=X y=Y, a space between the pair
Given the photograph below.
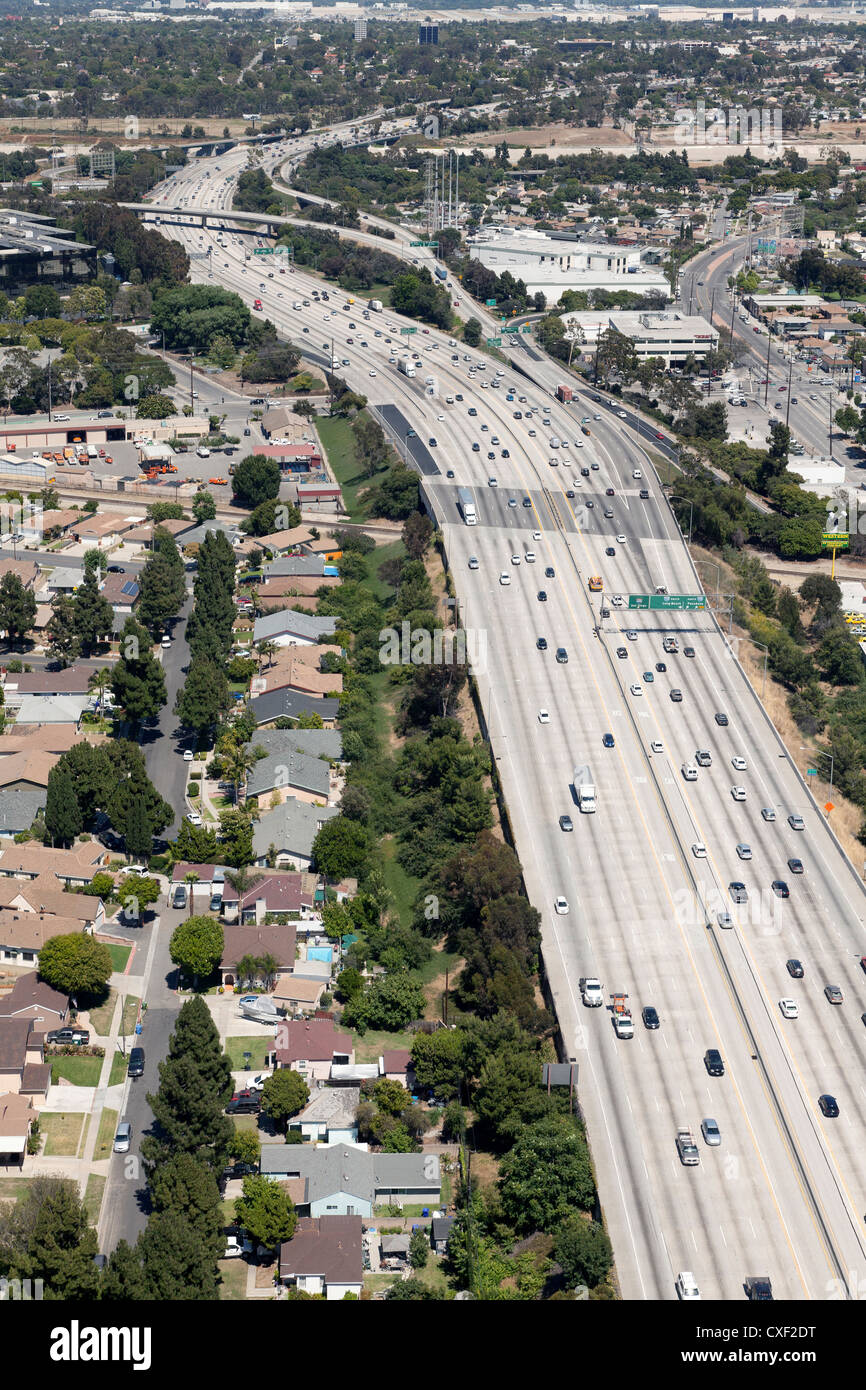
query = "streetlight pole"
x=790 y=374
x=675 y=497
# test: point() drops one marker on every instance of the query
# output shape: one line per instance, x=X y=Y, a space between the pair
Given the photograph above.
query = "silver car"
x=711 y=1132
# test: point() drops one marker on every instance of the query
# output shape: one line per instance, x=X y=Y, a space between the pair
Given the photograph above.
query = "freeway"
x=647 y=876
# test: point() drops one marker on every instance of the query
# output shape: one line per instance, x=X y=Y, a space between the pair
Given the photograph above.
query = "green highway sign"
x=494 y=342
x=839 y=539
x=423 y=243
x=263 y=251
x=527 y=328
x=408 y=330
x=668 y=601
x=515 y=329
x=811 y=772
x=491 y=303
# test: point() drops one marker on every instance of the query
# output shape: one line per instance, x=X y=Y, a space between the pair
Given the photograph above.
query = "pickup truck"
x=623 y=1025
x=687 y=1148
x=590 y=989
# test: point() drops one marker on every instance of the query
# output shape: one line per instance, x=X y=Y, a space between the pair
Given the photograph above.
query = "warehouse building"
x=554 y=262
x=33 y=251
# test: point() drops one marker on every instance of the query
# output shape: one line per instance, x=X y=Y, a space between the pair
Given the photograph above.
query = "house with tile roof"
x=325 y=1256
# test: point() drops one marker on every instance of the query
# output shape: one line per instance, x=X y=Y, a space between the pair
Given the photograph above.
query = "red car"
x=863 y=962
x=659 y=434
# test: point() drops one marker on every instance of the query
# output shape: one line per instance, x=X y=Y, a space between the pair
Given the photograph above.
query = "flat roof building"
x=551 y=263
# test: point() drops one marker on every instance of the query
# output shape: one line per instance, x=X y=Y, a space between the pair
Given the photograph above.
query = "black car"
x=79 y=1036
x=476 y=447
x=660 y=666
x=608 y=741
x=690 y=651
x=136 y=1062
x=590 y=504
x=562 y=656
x=650 y=1017
x=621 y=653
x=780 y=888
x=116 y=569
x=541 y=644
x=569 y=492
x=713 y=1062
x=609 y=492
x=738 y=892
x=609 y=550
x=794 y=969
x=542 y=596
x=566 y=823
x=527 y=501
x=505 y=454
x=829 y=1107
x=450 y=473
x=722 y=720
x=584 y=472
x=644 y=495
x=105 y=414
x=244 y=1103
x=550 y=573
x=677 y=697
x=796 y=866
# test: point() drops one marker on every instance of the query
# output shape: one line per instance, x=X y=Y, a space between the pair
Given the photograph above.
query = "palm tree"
x=99 y=681
x=191 y=878
x=267 y=649
x=246 y=970
x=242 y=881
x=253 y=596
x=269 y=965
x=237 y=762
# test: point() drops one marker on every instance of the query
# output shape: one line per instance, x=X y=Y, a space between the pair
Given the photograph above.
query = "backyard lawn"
x=233 y=1274
x=373 y=1044
x=62 y=1134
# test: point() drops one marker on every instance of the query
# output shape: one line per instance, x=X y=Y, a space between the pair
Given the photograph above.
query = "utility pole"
x=788 y=409
x=767 y=370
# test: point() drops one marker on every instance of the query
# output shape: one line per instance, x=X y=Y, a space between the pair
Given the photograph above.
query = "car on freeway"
x=829 y=1107
x=686 y=1286
x=660 y=666
x=795 y=969
x=721 y=719
x=657 y=746
x=609 y=492
x=473 y=562
x=542 y=596
x=631 y=634
x=738 y=763
x=476 y=447
x=713 y=1062
x=768 y=813
x=699 y=851
x=677 y=697
x=834 y=994
x=711 y=1132
x=789 y=1008
x=724 y=919
x=562 y=656
x=780 y=888
x=738 y=892
x=608 y=741
x=744 y=851
x=543 y=716
x=512 y=501
x=738 y=793
x=609 y=550
x=492 y=482
x=561 y=905
x=594 y=467
x=620 y=540
x=449 y=473
x=621 y=653
x=590 y=503
x=796 y=822
x=505 y=577
x=636 y=689
x=549 y=572
x=541 y=644
x=650 y=1017
x=566 y=823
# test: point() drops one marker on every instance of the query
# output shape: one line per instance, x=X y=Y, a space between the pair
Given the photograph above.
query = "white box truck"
x=406 y=366
x=584 y=790
x=467 y=506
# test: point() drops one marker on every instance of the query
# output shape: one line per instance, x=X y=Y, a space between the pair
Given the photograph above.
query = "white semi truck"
x=467 y=506
x=406 y=366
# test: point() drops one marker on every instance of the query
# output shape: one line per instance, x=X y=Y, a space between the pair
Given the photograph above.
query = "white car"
x=536 y=535
x=193 y=817
x=738 y=793
x=515 y=559
x=690 y=772
x=621 y=414
x=578 y=443
x=491 y=482
x=699 y=851
x=373 y=373
x=790 y=1008
x=166 y=642
x=631 y=634
x=561 y=905
x=620 y=540
x=187 y=755
x=657 y=746
x=738 y=764
x=636 y=689
x=543 y=716
x=554 y=463
x=529 y=557
x=636 y=473
x=505 y=577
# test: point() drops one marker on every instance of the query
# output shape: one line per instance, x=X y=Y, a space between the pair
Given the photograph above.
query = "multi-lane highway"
x=646 y=877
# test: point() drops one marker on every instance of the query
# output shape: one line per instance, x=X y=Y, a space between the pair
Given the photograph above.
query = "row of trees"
x=205 y=693
x=110 y=780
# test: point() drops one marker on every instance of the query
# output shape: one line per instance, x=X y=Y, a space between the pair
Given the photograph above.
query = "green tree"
x=419 y=1249
x=76 y=964
x=203 y=696
x=583 y=1251
x=204 y=507
x=155 y=407
x=472 y=332
x=390 y=1002
x=341 y=847
x=847 y=418
x=265 y=1212
x=390 y=1096
x=137 y=678
x=283 y=1095
x=256 y=479
x=162 y=588
x=60 y=636
x=138 y=830
x=137 y=893
x=197 y=946
x=93 y=616
x=186 y=1188
x=236 y=837
x=123 y=1279
x=195 y=1086
x=245 y=1147
x=839 y=658
x=176 y=1262
x=17 y=608
x=438 y=1061
x=46 y=1235
x=546 y=1175
x=63 y=818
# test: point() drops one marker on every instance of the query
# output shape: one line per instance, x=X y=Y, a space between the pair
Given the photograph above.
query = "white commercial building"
x=664 y=333
x=552 y=264
x=821 y=476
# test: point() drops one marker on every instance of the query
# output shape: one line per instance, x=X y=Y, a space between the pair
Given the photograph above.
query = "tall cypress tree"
x=63 y=818
x=195 y=1083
